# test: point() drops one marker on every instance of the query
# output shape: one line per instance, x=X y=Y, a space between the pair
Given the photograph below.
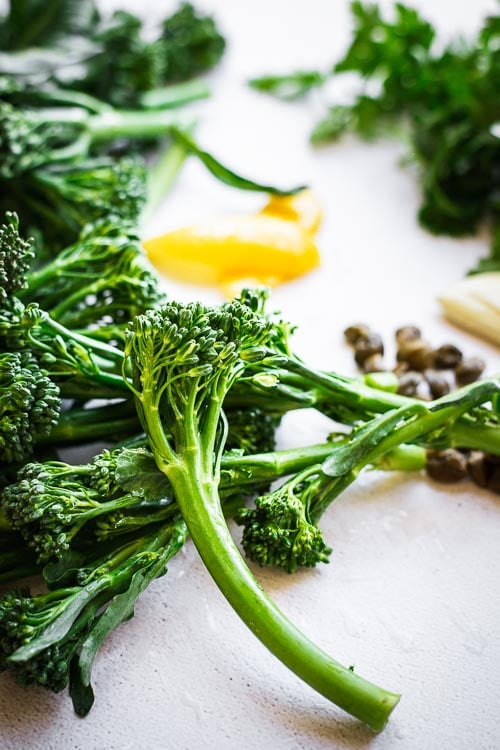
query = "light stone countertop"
x=411 y=594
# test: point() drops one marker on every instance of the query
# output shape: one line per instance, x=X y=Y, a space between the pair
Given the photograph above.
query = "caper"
x=477 y=468
x=438 y=384
x=447 y=357
x=365 y=347
x=374 y=363
x=356 y=332
x=493 y=482
x=400 y=367
x=469 y=370
x=447 y=466
x=418 y=353
x=407 y=333
x=409 y=383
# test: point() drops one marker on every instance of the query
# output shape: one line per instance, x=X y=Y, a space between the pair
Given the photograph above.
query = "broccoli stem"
x=110 y=422
x=416 y=423
x=175 y=95
x=199 y=502
x=112 y=124
x=195 y=485
x=162 y=176
x=301 y=387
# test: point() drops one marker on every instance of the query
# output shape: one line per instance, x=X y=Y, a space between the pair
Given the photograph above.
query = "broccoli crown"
x=279 y=330
x=16 y=255
x=279 y=531
x=63 y=198
x=48 y=505
x=22 y=618
x=102 y=473
x=251 y=430
x=29 y=405
x=22 y=144
x=191 y=44
x=83 y=193
x=184 y=355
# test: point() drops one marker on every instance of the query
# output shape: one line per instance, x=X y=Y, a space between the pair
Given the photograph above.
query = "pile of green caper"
x=428 y=372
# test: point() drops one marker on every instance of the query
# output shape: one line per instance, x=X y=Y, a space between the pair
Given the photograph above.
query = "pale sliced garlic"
x=474 y=305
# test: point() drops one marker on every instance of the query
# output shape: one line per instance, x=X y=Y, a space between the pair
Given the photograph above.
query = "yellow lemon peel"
x=270 y=247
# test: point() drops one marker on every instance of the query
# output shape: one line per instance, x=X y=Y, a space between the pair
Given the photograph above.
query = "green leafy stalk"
x=184 y=359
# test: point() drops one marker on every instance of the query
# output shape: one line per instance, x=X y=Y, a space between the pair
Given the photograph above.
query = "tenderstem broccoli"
x=52 y=638
x=184 y=359
x=282 y=528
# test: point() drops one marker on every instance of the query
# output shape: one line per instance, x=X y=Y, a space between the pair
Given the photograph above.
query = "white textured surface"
x=411 y=596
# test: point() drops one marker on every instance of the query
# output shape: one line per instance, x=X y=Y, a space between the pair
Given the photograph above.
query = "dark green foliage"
x=70 y=44
x=445 y=97
x=291 y=86
x=191 y=44
x=41 y=23
x=29 y=405
x=126 y=64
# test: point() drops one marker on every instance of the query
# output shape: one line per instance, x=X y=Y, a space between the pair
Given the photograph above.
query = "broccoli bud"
x=29 y=405
x=16 y=255
x=280 y=529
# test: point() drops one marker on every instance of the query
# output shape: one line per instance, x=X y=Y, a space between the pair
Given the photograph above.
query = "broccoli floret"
x=29 y=405
x=23 y=142
x=280 y=530
x=52 y=502
x=52 y=638
x=79 y=364
x=16 y=255
x=251 y=430
x=22 y=619
x=63 y=199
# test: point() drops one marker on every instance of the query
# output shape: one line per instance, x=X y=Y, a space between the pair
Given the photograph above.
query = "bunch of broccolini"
x=187 y=397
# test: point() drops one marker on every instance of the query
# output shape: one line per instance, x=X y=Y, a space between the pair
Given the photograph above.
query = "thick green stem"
x=162 y=176
x=82 y=425
x=199 y=502
x=176 y=95
x=135 y=124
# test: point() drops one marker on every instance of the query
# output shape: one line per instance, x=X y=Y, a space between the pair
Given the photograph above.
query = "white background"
x=411 y=594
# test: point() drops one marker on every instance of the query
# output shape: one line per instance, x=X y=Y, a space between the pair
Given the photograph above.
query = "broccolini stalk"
x=51 y=638
x=282 y=381
x=104 y=276
x=184 y=359
x=110 y=423
x=282 y=528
